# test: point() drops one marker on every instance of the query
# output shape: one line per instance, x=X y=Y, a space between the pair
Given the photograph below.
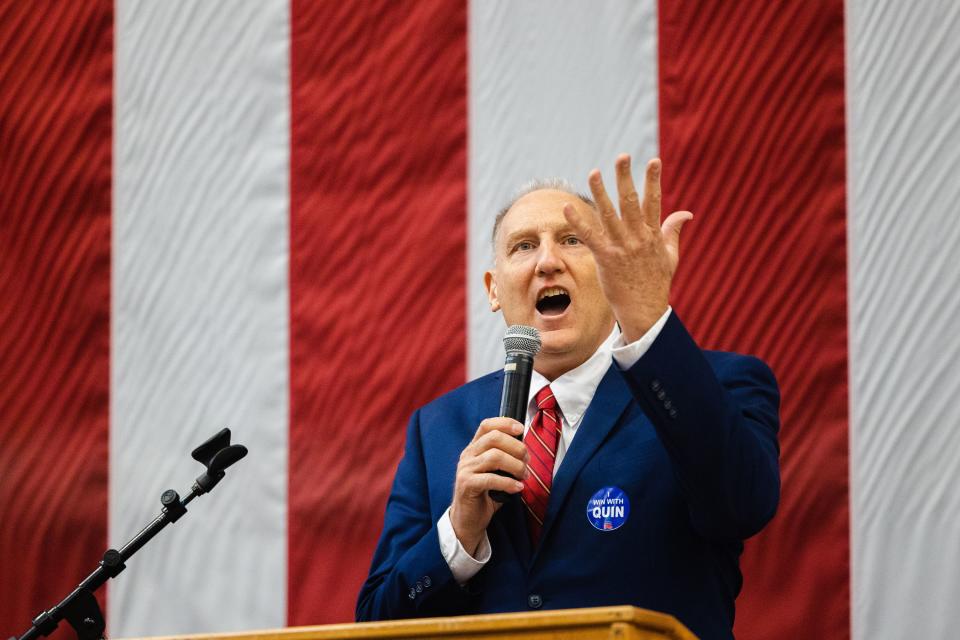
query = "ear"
x=490 y=282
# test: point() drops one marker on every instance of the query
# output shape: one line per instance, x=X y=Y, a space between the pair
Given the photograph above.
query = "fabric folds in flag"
x=276 y=216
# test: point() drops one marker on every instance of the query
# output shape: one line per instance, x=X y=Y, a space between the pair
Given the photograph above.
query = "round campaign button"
x=608 y=509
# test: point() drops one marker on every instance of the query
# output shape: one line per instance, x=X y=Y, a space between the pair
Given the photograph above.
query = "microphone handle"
x=517 y=372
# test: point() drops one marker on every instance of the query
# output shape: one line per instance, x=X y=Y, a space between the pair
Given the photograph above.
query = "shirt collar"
x=574 y=389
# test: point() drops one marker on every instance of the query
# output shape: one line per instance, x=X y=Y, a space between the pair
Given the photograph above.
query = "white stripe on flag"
x=200 y=309
x=555 y=90
x=903 y=88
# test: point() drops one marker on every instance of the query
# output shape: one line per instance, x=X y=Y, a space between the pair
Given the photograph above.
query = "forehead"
x=537 y=211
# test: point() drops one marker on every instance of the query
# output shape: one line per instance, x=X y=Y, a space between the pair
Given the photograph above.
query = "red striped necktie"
x=541 y=440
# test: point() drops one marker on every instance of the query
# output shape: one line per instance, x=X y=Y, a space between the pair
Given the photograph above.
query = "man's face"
x=546 y=278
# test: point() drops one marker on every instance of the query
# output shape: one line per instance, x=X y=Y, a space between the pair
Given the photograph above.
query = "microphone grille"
x=523 y=339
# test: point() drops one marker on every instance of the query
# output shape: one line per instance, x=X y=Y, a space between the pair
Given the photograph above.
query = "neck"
x=552 y=369
x=553 y=365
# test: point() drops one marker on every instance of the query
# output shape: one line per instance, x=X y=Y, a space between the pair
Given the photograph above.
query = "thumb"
x=671 y=229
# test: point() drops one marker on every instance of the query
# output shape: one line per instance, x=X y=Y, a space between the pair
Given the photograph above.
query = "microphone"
x=522 y=344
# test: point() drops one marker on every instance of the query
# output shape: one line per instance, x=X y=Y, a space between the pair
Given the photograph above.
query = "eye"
x=523 y=245
x=571 y=241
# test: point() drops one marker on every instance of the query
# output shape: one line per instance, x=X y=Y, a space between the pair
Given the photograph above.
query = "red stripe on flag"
x=752 y=136
x=377 y=269
x=56 y=61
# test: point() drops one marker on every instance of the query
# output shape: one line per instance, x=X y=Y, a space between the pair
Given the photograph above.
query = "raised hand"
x=636 y=256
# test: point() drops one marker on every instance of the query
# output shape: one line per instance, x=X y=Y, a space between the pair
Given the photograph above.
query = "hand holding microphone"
x=522 y=345
x=493 y=465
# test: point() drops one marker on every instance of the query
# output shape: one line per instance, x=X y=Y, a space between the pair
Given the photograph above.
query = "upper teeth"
x=552 y=291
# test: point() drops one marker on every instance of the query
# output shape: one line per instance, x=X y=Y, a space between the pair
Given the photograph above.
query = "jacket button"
x=661 y=394
x=667 y=405
x=426 y=581
x=419 y=587
x=534 y=600
x=412 y=594
x=655 y=385
x=673 y=413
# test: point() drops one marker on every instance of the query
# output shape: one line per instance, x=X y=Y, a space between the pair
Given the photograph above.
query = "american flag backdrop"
x=274 y=215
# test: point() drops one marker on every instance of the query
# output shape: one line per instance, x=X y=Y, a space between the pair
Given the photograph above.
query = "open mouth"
x=553 y=301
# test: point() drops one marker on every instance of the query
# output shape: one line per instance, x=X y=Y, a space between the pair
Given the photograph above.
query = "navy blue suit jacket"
x=689 y=435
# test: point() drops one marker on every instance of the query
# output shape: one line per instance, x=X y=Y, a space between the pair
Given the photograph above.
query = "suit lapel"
x=488 y=405
x=608 y=404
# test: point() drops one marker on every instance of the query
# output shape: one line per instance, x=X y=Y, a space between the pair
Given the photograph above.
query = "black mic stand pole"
x=80 y=608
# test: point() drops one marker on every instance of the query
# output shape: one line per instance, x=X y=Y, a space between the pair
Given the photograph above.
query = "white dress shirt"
x=573 y=391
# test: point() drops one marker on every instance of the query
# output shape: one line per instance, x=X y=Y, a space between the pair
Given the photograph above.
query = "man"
x=645 y=461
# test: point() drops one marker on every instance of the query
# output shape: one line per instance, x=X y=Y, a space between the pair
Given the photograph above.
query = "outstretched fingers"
x=651 y=194
x=607 y=213
x=630 y=209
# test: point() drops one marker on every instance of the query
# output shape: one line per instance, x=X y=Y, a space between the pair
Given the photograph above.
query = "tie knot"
x=545 y=399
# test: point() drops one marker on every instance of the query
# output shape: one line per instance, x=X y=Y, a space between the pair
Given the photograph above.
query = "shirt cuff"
x=627 y=355
x=462 y=565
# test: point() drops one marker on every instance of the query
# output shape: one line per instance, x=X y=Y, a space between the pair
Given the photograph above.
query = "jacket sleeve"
x=408 y=575
x=719 y=428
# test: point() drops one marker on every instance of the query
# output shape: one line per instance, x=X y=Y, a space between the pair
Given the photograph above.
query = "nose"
x=549 y=260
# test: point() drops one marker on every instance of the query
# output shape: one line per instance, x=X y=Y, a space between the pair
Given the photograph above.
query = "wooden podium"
x=623 y=623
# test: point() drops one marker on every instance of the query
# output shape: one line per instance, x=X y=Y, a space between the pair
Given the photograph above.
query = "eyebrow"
x=532 y=231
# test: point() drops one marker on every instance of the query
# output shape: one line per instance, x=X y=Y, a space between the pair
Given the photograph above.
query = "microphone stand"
x=80 y=608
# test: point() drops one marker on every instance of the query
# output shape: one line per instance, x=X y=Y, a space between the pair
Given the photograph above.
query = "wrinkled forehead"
x=537 y=212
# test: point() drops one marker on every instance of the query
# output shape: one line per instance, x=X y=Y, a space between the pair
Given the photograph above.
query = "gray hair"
x=537 y=184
